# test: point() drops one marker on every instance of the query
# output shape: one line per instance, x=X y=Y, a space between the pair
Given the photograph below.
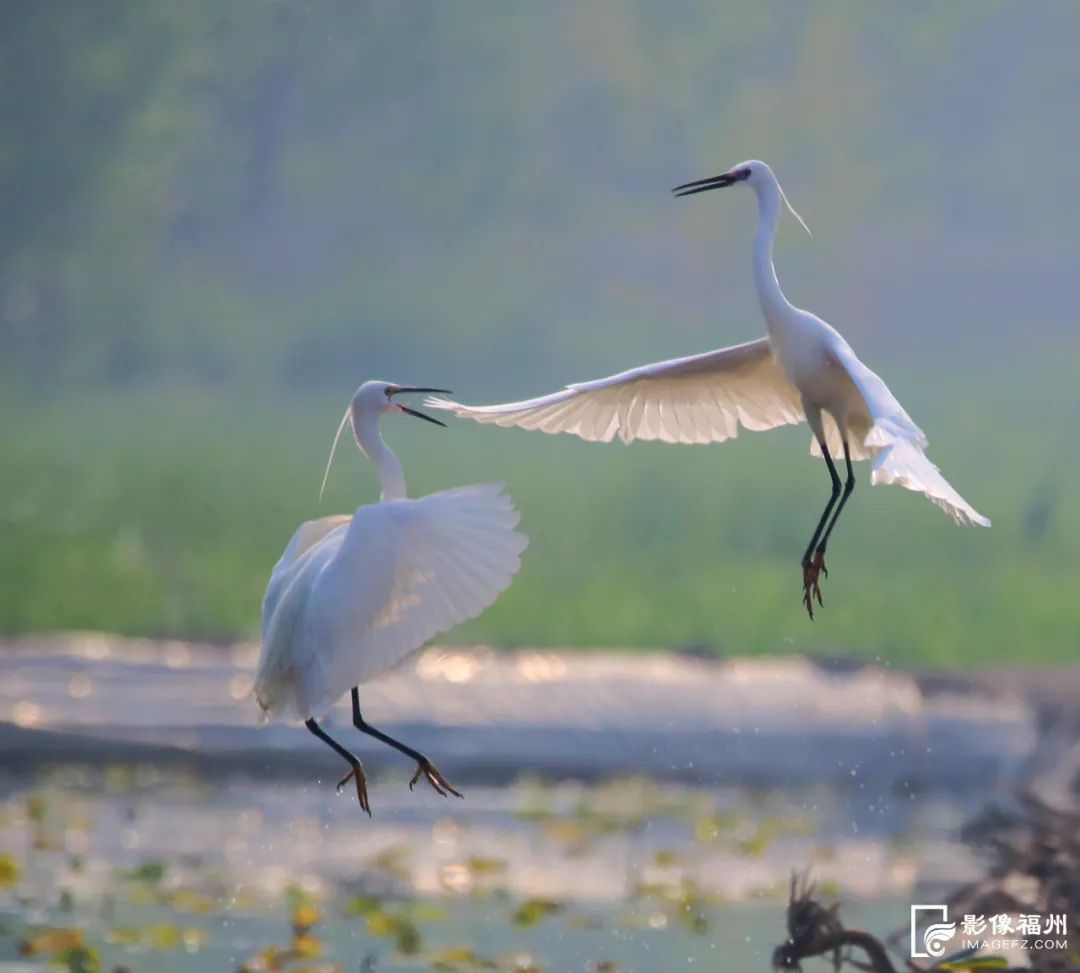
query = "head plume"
x=791 y=210
x=345 y=421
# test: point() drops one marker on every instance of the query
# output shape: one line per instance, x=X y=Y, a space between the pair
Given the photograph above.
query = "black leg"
x=813 y=564
x=357 y=772
x=849 y=488
x=828 y=507
x=358 y=722
x=424 y=766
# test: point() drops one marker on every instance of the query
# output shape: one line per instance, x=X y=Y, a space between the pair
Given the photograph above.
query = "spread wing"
x=699 y=399
x=376 y=587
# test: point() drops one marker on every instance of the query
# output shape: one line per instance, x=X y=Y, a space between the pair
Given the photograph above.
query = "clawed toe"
x=813 y=570
x=431 y=774
x=357 y=775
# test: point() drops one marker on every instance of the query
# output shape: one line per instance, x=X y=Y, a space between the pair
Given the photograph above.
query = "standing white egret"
x=353 y=596
x=803 y=369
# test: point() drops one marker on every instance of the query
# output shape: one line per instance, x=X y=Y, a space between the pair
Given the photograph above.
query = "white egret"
x=354 y=595
x=802 y=370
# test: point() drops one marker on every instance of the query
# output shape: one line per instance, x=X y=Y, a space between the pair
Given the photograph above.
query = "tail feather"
x=895 y=444
x=905 y=464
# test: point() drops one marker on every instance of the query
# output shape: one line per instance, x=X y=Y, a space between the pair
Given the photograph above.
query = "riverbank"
x=489 y=715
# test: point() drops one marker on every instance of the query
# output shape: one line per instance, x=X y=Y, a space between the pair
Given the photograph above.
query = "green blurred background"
x=217 y=219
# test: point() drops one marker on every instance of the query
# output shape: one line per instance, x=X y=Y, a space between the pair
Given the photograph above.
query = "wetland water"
x=620 y=812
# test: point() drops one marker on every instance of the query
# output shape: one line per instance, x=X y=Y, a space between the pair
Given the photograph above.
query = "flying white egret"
x=353 y=596
x=802 y=369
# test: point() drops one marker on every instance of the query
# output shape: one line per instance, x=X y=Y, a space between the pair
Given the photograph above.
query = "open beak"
x=414 y=412
x=713 y=182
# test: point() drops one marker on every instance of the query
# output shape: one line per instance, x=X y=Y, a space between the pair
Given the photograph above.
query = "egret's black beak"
x=713 y=182
x=414 y=412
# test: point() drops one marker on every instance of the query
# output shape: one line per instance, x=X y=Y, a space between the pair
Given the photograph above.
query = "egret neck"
x=773 y=302
x=365 y=425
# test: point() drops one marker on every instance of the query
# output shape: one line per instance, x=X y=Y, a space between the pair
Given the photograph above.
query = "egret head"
x=368 y=404
x=374 y=398
x=753 y=173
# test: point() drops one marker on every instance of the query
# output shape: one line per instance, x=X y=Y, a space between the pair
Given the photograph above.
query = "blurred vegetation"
x=219 y=219
x=164 y=518
x=216 y=903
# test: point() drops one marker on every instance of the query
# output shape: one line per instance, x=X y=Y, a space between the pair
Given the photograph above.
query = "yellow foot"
x=433 y=777
x=357 y=775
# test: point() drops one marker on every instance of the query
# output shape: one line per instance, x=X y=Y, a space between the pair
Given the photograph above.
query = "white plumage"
x=351 y=597
x=803 y=370
x=699 y=399
x=354 y=596
x=884 y=433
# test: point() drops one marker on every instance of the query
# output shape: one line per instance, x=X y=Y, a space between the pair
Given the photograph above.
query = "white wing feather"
x=308 y=534
x=699 y=399
x=704 y=399
x=895 y=444
x=374 y=588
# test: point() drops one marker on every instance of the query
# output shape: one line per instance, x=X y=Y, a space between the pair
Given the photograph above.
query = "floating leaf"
x=574 y=835
x=297 y=897
x=362 y=905
x=654 y=890
x=974 y=963
x=580 y=921
x=695 y=921
x=710 y=828
x=391 y=861
x=162 y=935
x=402 y=930
x=270 y=959
x=157 y=936
x=486 y=866
x=828 y=889
x=119 y=779
x=142 y=894
x=51 y=941
x=307 y=946
x=533 y=911
x=408 y=940
x=193 y=939
x=151 y=872
x=36 y=808
x=518 y=963
x=682 y=900
x=427 y=912
x=124 y=936
x=82 y=960
x=761 y=837
x=63 y=946
x=188 y=900
x=9 y=871
x=381 y=924
x=455 y=956
x=306 y=916
x=459 y=959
